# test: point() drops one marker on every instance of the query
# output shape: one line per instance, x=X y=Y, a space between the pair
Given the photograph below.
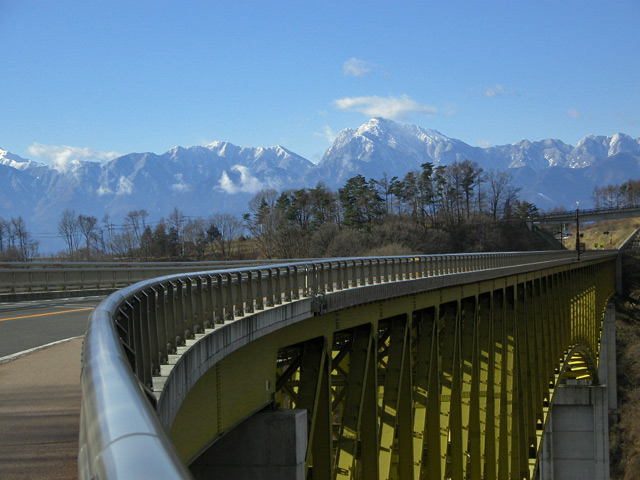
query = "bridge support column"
x=576 y=440
x=267 y=446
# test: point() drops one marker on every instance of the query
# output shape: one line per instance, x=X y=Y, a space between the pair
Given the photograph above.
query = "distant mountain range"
x=221 y=177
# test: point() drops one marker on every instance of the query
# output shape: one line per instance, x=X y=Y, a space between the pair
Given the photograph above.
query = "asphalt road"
x=26 y=325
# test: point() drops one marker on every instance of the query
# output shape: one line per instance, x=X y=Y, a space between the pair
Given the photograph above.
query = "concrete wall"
x=576 y=441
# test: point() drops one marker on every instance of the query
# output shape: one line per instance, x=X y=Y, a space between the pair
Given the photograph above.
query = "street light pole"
x=578 y=229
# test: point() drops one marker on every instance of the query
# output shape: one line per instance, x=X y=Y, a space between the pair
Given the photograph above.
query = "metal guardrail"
x=22 y=277
x=629 y=241
x=586 y=215
x=132 y=332
x=588 y=211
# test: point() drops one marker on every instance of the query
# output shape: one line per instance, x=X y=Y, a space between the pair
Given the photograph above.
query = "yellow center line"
x=45 y=314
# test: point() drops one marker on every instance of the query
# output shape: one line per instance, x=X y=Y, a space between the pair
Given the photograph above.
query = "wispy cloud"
x=104 y=190
x=246 y=184
x=498 y=90
x=495 y=91
x=356 y=68
x=63 y=157
x=326 y=133
x=389 y=107
x=481 y=142
x=573 y=113
x=632 y=122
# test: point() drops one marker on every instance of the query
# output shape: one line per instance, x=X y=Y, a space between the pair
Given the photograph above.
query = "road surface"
x=40 y=392
x=27 y=325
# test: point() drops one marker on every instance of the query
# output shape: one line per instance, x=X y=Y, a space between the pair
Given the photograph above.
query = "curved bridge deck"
x=406 y=367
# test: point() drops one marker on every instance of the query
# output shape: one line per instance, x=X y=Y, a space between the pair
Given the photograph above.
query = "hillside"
x=625 y=435
x=593 y=234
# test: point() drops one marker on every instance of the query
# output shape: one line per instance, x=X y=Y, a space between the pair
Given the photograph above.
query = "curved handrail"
x=132 y=332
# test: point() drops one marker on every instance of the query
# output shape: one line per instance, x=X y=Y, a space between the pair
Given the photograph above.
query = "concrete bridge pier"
x=269 y=445
x=576 y=440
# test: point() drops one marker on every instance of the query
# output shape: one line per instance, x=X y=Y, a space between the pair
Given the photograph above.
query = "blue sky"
x=93 y=79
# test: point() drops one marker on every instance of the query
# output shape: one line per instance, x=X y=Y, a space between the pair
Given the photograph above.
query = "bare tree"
x=267 y=197
x=4 y=234
x=134 y=224
x=176 y=227
x=195 y=237
x=122 y=245
x=87 y=226
x=498 y=190
x=228 y=228
x=69 y=230
x=26 y=245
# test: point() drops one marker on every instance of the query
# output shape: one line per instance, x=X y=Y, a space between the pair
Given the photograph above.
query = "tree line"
x=456 y=207
x=617 y=196
x=176 y=237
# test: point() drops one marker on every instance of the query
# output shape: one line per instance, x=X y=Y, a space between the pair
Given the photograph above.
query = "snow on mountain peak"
x=621 y=143
x=14 y=161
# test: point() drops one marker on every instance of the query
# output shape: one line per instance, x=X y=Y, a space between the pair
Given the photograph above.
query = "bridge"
x=399 y=367
x=589 y=215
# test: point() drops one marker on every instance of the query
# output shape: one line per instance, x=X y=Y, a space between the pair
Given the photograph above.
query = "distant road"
x=26 y=325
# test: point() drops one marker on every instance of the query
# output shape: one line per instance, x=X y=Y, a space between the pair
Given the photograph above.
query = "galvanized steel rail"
x=22 y=277
x=133 y=332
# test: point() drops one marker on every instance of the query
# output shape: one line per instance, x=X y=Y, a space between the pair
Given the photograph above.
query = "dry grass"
x=593 y=233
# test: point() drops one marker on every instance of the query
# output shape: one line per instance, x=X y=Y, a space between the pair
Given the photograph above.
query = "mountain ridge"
x=222 y=177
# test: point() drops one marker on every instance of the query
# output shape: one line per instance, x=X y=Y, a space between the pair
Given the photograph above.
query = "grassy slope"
x=593 y=233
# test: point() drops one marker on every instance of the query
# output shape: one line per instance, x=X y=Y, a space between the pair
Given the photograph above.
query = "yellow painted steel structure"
x=454 y=382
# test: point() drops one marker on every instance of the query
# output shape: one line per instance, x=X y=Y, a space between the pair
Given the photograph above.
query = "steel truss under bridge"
x=430 y=374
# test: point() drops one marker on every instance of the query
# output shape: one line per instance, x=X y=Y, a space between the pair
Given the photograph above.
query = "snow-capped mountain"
x=222 y=177
x=381 y=145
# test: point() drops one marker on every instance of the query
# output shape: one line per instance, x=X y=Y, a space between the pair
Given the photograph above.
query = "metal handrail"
x=132 y=332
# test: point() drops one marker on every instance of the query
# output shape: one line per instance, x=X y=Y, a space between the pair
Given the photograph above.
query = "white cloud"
x=63 y=157
x=481 y=142
x=450 y=109
x=125 y=186
x=355 y=68
x=494 y=91
x=573 y=113
x=390 y=107
x=326 y=133
x=247 y=183
x=498 y=90
x=180 y=186
x=104 y=190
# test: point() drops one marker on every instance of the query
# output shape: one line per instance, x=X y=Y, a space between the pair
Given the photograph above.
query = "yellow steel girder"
x=450 y=383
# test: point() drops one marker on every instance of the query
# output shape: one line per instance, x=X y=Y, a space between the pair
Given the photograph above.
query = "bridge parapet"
x=135 y=332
